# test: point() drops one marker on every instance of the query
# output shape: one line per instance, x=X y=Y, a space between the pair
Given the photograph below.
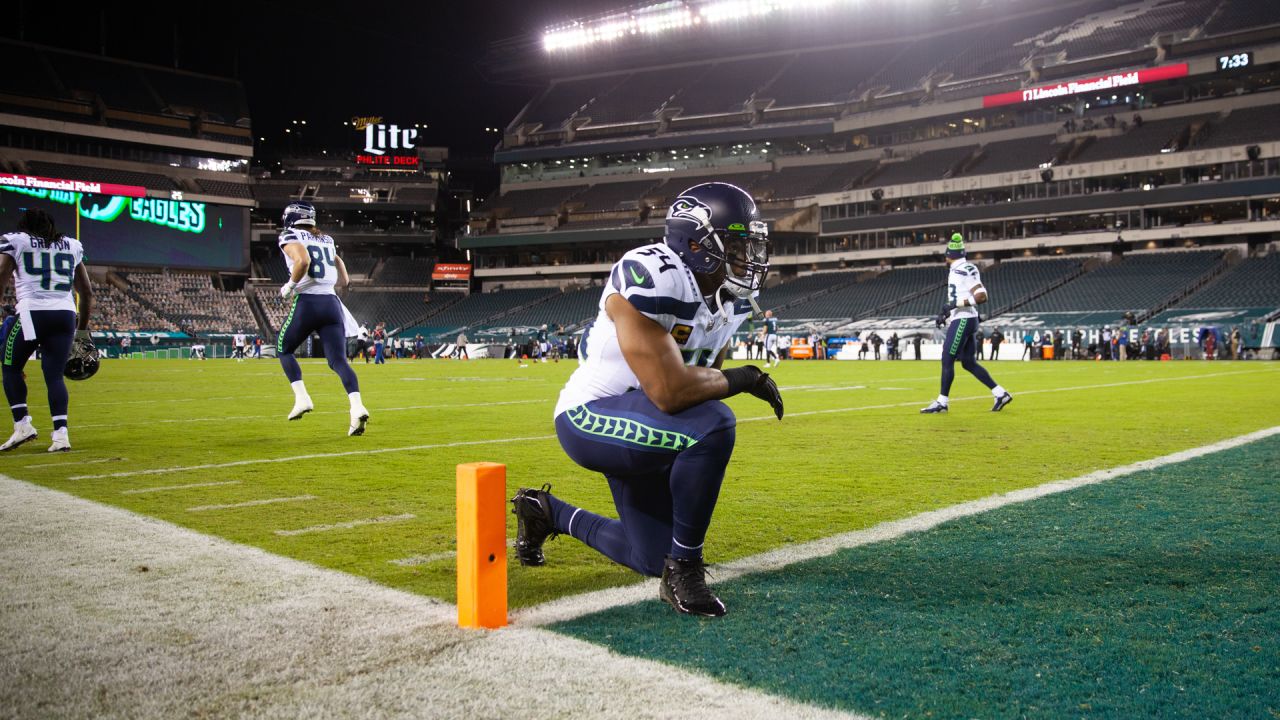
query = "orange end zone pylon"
x=482 y=545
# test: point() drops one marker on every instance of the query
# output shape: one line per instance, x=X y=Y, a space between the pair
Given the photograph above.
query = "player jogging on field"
x=771 y=339
x=964 y=293
x=47 y=267
x=314 y=270
x=644 y=406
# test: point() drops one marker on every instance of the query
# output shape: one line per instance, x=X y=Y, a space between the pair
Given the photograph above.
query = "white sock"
x=355 y=399
x=942 y=400
x=997 y=391
x=299 y=389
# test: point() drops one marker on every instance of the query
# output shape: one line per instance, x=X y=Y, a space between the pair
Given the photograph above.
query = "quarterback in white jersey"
x=960 y=314
x=48 y=270
x=644 y=408
x=314 y=270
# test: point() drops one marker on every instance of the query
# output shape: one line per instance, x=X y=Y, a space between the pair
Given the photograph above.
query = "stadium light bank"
x=658 y=18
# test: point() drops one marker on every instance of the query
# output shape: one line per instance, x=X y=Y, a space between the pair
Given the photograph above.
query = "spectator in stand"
x=1028 y=345
x=997 y=337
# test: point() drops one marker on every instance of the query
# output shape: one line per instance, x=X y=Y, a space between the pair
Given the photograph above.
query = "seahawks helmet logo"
x=691 y=209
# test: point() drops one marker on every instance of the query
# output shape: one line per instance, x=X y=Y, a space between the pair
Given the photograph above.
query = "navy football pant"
x=316 y=314
x=55 y=331
x=961 y=344
x=664 y=472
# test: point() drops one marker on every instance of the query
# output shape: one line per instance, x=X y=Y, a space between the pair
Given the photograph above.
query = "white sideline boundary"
x=587 y=603
x=758 y=418
x=112 y=614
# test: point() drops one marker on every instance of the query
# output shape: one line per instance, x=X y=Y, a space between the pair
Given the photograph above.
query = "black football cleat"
x=684 y=587
x=934 y=407
x=1001 y=401
x=534 y=524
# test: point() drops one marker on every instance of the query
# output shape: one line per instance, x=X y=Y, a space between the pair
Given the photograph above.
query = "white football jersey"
x=322 y=273
x=962 y=281
x=46 y=270
x=658 y=284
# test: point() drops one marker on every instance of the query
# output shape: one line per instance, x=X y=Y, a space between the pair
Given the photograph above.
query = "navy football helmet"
x=83 y=362
x=724 y=222
x=299 y=213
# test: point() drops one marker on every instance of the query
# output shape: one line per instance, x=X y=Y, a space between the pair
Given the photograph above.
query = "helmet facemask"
x=745 y=254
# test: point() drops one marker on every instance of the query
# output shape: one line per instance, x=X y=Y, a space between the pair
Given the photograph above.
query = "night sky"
x=410 y=62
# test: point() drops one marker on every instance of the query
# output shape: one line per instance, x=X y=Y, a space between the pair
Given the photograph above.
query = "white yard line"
x=314 y=456
x=347 y=525
x=418 y=560
x=252 y=503
x=74 y=462
x=344 y=411
x=588 y=603
x=170 y=488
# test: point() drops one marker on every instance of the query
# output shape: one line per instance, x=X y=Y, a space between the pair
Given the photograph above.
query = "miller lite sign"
x=379 y=138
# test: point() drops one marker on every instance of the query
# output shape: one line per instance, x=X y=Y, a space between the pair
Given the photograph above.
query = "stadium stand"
x=933 y=165
x=823 y=77
x=862 y=298
x=640 y=95
x=192 y=303
x=1236 y=15
x=1252 y=285
x=1135 y=283
x=395 y=308
x=226 y=188
x=274 y=307
x=114 y=310
x=404 y=271
x=530 y=202
x=567 y=309
x=565 y=98
x=603 y=197
x=1011 y=155
x=1127 y=26
x=151 y=181
x=117 y=84
x=1241 y=127
x=1149 y=138
x=801 y=180
x=803 y=287
x=478 y=309
x=726 y=86
x=359 y=264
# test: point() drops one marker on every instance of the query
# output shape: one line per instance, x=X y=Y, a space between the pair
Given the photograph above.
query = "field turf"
x=205 y=445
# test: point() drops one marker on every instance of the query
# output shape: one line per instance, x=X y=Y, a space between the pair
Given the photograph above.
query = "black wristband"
x=741 y=379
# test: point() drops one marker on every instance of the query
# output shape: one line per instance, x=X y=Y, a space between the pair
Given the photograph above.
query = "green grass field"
x=851 y=453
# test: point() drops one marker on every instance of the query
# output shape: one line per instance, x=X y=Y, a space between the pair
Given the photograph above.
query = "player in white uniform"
x=644 y=406
x=314 y=270
x=46 y=267
x=237 y=342
x=964 y=294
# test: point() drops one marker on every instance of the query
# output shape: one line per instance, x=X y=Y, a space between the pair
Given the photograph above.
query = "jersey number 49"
x=55 y=272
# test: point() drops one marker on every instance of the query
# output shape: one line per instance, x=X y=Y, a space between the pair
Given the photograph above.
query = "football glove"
x=286 y=290
x=751 y=379
x=944 y=314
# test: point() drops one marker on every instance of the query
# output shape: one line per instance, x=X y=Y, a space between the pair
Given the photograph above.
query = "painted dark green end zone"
x=1154 y=595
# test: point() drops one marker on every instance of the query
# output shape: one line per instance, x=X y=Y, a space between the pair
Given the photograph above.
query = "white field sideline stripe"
x=168 y=488
x=347 y=525
x=251 y=503
x=592 y=602
x=344 y=411
x=239 y=463
x=72 y=462
x=314 y=456
x=208 y=603
x=831 y=411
